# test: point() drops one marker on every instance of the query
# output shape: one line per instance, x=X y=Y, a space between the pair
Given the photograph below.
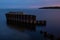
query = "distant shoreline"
x=49 y=8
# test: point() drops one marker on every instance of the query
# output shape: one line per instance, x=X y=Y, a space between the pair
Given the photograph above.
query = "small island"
x=49 y=8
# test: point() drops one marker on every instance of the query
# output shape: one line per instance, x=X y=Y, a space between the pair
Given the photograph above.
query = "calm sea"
x=52 y=16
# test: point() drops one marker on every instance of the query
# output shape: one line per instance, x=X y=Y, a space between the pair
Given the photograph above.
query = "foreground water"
x=52 y=16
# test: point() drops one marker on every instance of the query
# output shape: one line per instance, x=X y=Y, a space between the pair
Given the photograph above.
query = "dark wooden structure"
x=20 y=18
x=41 y=22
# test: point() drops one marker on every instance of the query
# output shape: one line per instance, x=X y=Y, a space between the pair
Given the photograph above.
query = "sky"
x=28 y=3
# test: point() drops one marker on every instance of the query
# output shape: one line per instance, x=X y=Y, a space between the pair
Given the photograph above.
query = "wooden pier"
x=41 y=22
x=20 y=18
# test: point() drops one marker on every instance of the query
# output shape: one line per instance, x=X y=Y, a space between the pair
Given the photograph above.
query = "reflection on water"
x=23 y=27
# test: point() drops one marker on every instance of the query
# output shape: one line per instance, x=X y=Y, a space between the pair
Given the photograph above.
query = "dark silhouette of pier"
x=20 y=18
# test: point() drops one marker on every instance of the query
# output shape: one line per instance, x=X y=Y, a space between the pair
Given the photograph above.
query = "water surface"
x=52 y=16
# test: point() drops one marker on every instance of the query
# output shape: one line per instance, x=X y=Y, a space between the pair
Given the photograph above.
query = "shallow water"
x=52 y=16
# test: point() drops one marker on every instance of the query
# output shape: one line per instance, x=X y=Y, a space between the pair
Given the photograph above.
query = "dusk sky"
x=28 y=3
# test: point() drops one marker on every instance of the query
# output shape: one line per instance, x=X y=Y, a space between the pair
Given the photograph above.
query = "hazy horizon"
x=28 y=3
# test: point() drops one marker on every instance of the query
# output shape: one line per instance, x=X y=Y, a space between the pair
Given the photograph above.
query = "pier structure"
x=21 y=18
